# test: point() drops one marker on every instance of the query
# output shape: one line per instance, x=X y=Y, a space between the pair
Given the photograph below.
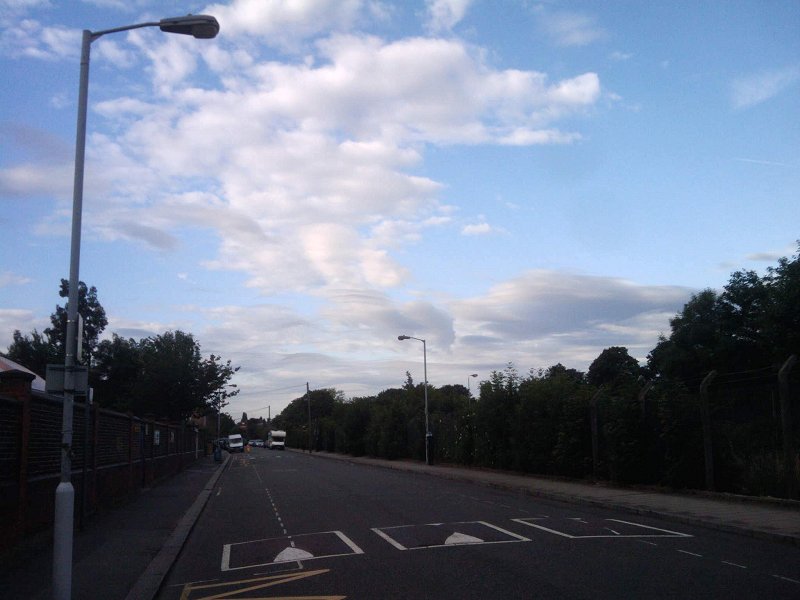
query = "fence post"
x=95 y=441
x=131 y=436
x=25 y=436
x=595 y=434
x=17 y=384
x=705 y=418
x=789 y=456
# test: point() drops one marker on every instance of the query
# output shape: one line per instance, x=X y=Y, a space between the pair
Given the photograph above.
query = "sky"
x=513 y=181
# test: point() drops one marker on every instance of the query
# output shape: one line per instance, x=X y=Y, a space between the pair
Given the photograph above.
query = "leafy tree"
x=353 y=419
x=34 y=352
x=171 y=383
x=613 y=367
x=37 y=350
x=94 y=320
x=782 y=314
x=118 y=367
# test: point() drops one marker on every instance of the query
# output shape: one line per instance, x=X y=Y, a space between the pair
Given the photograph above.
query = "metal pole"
x=786 y=426
x=308 y=399
x=595 y=434
x=428 y=433
x=65 y=493
x=705 y=417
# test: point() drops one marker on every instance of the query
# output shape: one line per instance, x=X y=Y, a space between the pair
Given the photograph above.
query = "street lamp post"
x=473 y=375
x=198 y=26
x=428 y=433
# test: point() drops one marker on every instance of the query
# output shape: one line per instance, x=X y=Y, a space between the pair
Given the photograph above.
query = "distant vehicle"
x=256 y=443
x=276 y=440
x=235 y=443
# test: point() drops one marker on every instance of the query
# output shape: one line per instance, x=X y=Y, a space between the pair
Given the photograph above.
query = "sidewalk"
x=770 y=519
x=124 y=551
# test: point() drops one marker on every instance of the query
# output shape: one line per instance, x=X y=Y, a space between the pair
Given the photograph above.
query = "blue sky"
x=514 y=181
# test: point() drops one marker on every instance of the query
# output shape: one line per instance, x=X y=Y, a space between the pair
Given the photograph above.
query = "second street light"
x=428 y=433
x=198 y=26
x=468 y=390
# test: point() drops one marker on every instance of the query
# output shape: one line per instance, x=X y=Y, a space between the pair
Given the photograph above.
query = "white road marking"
x=505 y=531
x=461 y=538
x=292 y=554
x=350 y=543
x=725 y=562
x=653 y=528
x=389 y=539
x=786 y=579
x=690 y=553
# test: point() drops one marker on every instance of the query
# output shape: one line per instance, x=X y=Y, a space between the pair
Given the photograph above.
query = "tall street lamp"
x=198 y=26
x=468 y=378
x=428 y=433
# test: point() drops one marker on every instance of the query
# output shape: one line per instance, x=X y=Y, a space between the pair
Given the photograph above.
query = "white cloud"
x=284 y=24
x=541 y=304
x=18 y=6
x=7 y=278
x=443 y=15
x=29 y=38
x=36 y=180
x=313 y=171
x=753 y=89
x=620 y=56
x=12 y=319
x=572 y=28
x=311 y=163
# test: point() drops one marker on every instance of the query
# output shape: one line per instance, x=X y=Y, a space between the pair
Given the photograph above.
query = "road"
x=290 y=525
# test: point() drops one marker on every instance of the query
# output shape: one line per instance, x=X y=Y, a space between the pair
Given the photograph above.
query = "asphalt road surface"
x=290 y=525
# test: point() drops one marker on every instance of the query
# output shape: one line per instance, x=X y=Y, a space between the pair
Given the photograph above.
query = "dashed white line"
x=725 y=562
x=786 y=579
x=690 y=553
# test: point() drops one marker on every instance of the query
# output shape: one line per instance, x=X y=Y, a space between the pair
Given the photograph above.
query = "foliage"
x=37 y=350
x=94 y=320
x=163 y=375
x=34 y=352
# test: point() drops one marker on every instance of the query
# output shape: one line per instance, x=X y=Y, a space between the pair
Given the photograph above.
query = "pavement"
x=126 y=552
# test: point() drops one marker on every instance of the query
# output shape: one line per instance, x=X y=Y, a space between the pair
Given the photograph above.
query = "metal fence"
x=113 y=455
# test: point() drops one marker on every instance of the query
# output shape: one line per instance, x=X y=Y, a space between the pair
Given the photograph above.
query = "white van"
x=276 y=440
x=235 y=443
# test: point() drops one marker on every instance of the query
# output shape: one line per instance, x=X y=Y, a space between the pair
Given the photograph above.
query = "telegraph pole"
x=308 y=398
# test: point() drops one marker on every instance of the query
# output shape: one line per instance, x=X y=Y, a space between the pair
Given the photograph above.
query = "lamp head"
x=403 y=337
x=202 y=27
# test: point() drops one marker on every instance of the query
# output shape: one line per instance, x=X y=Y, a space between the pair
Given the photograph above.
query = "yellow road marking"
x=259 y=584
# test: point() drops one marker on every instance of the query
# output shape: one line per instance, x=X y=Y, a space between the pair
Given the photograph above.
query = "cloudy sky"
x=512 y=180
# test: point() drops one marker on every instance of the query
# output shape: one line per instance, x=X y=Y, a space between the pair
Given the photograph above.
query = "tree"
x=34 y=352
x=38 y=350
x=94 y=320
x=173 y=380
x=116 y=373
x=613 y=367
x=782 y=314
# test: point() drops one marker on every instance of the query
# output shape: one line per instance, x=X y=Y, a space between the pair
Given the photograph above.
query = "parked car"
x=256 y=443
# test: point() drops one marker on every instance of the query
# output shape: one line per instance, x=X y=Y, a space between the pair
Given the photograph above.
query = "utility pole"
x=308 y=398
